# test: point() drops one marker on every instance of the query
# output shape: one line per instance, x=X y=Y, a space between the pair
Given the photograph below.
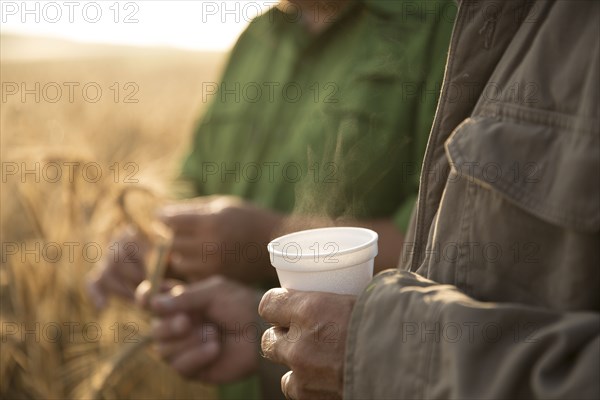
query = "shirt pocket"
x=549 y=171
x=522 y=205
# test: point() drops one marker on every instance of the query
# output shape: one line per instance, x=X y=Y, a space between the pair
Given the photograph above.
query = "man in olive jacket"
x=498 y=292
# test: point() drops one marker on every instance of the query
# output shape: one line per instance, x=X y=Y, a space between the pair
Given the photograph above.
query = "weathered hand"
x=219 y=235
x=121 y=270
x=212 y=235
x=309 y=336
x=206 y=330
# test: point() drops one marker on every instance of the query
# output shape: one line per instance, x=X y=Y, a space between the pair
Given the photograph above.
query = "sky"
x=192 y=24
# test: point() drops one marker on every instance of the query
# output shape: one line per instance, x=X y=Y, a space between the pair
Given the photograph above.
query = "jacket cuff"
x=379 y=342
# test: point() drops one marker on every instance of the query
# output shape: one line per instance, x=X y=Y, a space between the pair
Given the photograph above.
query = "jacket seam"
x=467 y=221
x=554 y=119
x=434 y=315
x=520 y=198
x=433 y=137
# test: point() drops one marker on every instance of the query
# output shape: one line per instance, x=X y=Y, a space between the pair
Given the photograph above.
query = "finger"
x=198 y=336
x=276 y=346
x=196 y=296
x=133 y=272
x=312 y=371
x=296 y=388
x=282 y=306
x=191 y=268
x=190 y=206
x=186 y=244
x=169 y=285
x=104 y=280
x=183 y=221
x=128 y=265
x=181 y=224
x=179 y=207
x=111 y=284
x=190 y=362
x=130 y=250
x=171 y=327
x=182 y=265
x=285 y=384
x=142 y=292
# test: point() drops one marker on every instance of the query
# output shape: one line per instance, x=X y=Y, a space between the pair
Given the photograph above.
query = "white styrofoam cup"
x=337 y=260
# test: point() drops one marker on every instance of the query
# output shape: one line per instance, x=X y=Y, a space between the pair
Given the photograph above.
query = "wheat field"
x=81 y=126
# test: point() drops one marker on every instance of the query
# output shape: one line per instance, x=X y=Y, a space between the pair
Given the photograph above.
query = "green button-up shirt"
x=333 y=124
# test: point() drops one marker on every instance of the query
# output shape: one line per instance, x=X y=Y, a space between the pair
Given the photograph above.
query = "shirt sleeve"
x=410 y=337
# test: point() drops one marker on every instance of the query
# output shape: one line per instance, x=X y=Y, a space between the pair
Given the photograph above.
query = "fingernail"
x=268 y=297
x=140 y=293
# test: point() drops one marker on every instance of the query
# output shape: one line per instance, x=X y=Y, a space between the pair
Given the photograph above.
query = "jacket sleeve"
x=411 y=338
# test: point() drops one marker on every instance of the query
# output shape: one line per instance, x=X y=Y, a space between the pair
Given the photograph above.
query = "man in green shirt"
x=323 y=112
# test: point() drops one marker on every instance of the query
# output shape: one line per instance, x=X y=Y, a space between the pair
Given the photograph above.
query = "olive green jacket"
x=498 y=291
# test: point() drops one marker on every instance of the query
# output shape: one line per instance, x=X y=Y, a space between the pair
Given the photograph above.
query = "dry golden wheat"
x=59 y=358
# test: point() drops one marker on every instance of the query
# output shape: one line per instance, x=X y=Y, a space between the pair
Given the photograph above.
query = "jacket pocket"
x=548 y=170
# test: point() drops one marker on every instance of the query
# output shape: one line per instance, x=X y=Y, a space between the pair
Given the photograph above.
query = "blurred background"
x=98 y=99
